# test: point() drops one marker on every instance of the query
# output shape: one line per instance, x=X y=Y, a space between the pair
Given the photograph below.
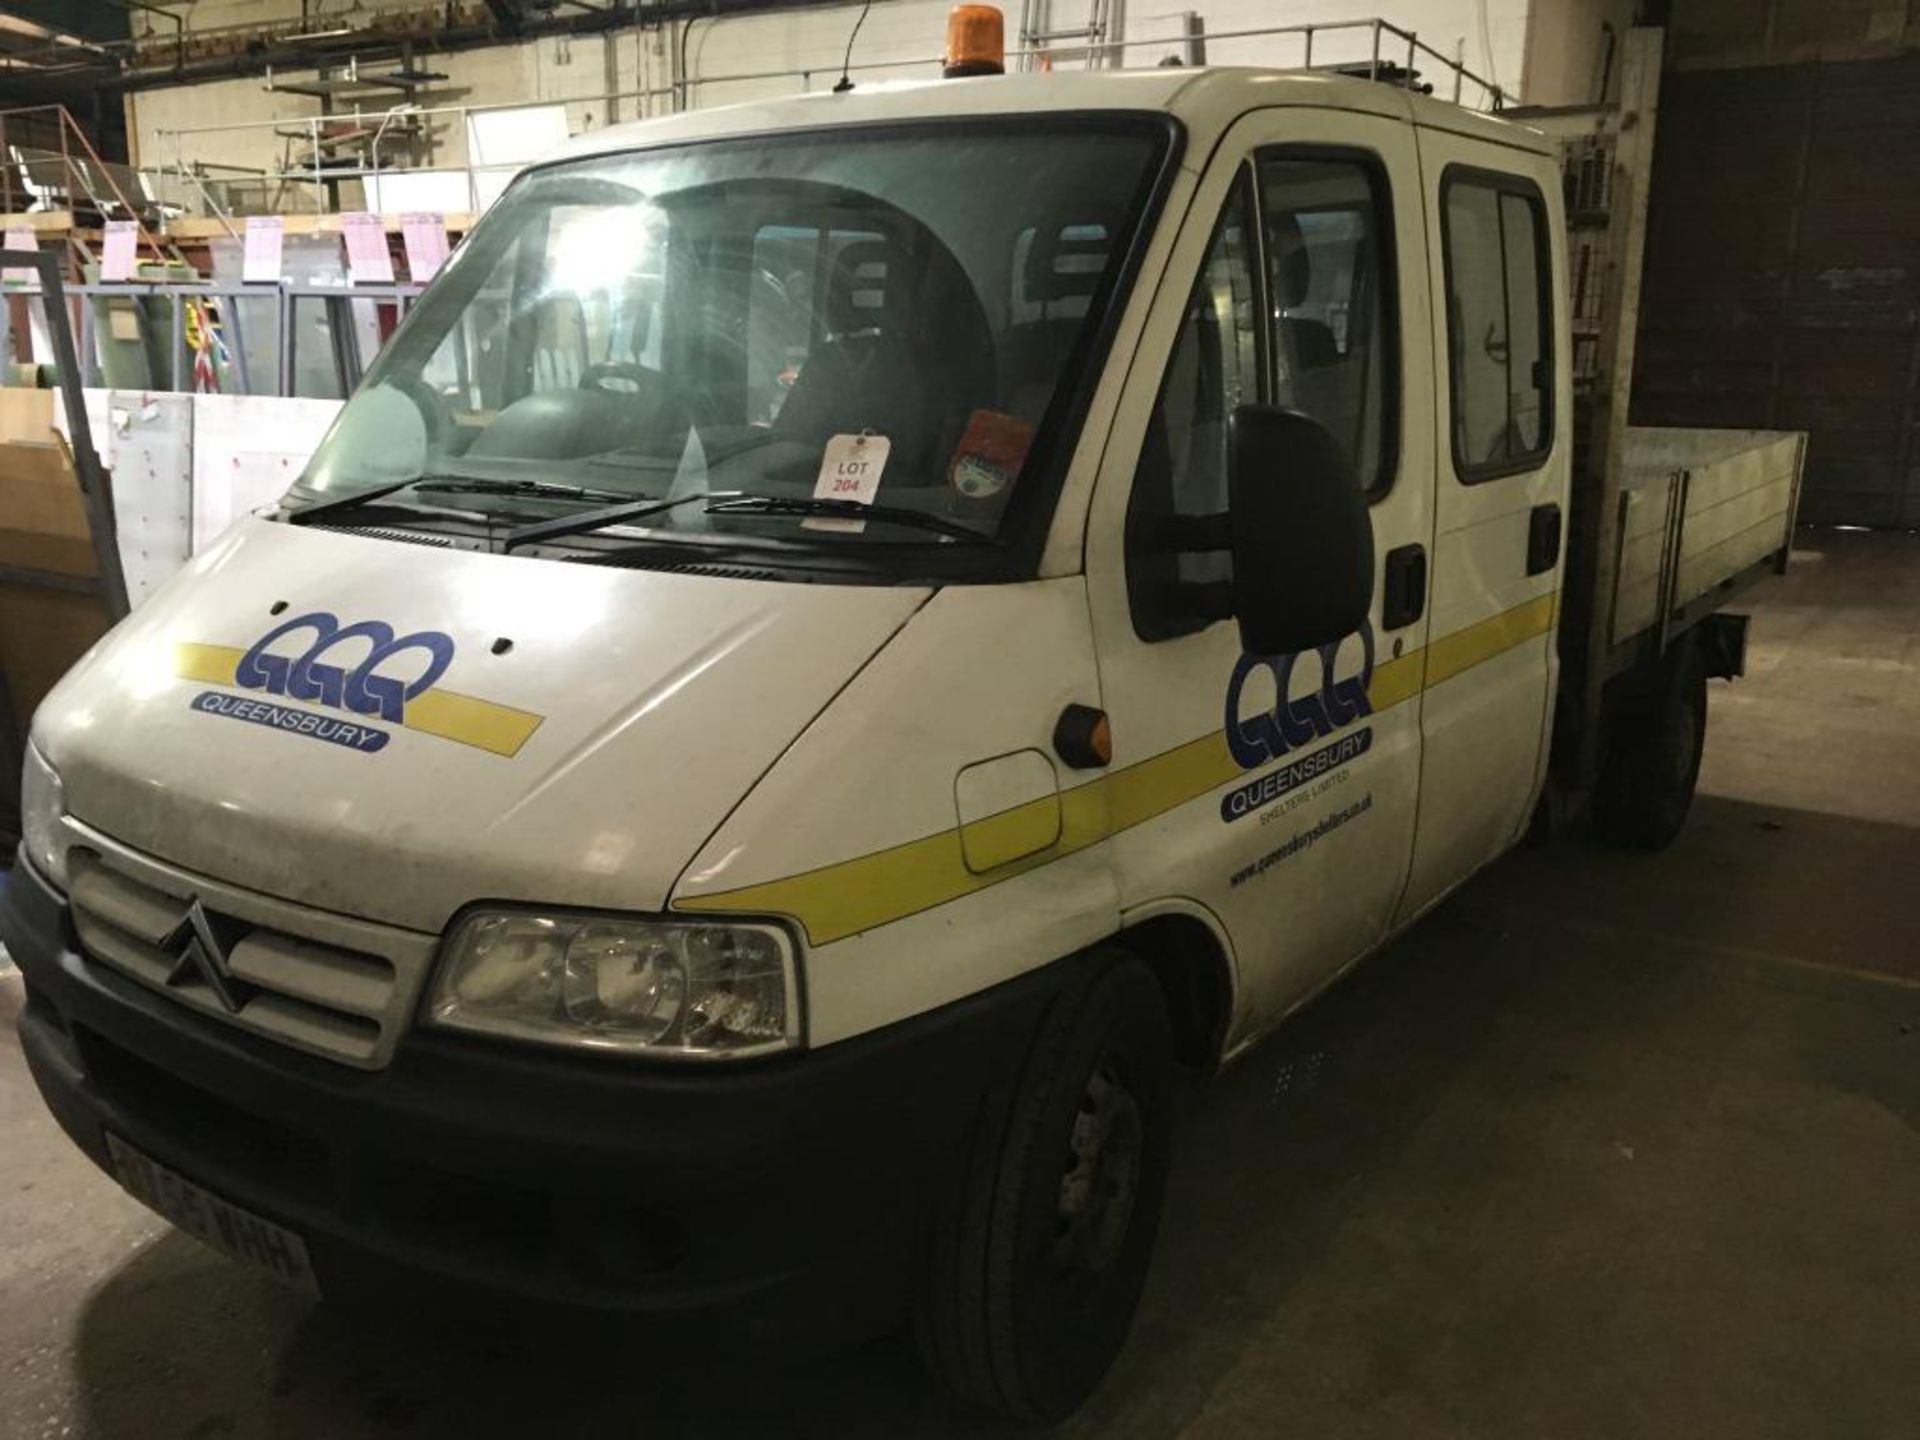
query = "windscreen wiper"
x=453 y=485
x=847 y=510
x=630 y=508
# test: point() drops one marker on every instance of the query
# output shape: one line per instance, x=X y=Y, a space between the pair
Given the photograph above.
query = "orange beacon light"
x=976 y=41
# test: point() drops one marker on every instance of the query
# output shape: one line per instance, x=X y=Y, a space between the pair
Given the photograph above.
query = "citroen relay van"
x=841 y=641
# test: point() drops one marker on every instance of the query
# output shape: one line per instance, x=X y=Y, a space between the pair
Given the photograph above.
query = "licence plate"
x=205 y=1216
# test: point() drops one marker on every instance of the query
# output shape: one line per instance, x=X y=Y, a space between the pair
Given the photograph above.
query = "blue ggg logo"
x=1257 y=739
x=362 y=688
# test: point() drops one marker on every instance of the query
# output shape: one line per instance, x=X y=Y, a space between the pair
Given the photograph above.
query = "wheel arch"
x=1186 y=947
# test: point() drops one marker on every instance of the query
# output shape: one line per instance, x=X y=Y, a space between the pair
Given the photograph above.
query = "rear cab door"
x=1503 y=444
x=1244 y=789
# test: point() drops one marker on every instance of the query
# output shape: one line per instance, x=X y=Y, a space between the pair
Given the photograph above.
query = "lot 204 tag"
x=850 y=469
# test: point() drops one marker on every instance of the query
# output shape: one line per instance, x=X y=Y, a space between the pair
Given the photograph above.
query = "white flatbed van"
x=840 y=641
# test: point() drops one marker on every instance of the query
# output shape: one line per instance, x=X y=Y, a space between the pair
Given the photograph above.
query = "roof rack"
x=1373 y=49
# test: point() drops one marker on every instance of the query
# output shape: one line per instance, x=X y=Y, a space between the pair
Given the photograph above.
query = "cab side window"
x=1328 y=236
x=1214 y=367
x=1499 y=323
x=1317 y=333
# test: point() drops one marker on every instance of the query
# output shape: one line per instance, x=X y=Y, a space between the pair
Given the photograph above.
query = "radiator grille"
x=196 y=945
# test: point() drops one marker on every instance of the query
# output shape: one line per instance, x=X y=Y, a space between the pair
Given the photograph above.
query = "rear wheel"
x=1653 y=755
x=1034 y=1268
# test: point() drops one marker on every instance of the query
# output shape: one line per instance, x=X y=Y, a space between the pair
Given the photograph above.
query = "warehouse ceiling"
x=47 y=35
x=73 y=19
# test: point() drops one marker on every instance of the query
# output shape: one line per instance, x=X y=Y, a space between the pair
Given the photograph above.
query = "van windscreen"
x=905 y=317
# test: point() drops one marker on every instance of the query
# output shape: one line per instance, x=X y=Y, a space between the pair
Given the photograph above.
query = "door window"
x=1214 y=367
x=1320 y=336
x=1329 y=273
x=1499 y=316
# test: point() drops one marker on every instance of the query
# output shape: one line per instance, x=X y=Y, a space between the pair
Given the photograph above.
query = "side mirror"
x=1300 y=533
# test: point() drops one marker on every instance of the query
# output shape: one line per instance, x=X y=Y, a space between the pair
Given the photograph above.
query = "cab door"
x=1273 y=796
x=1503 y=448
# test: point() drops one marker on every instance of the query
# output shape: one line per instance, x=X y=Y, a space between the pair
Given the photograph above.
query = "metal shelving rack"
x=348 y=140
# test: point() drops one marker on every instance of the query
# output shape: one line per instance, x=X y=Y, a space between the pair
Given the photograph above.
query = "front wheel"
x=1035 y=1266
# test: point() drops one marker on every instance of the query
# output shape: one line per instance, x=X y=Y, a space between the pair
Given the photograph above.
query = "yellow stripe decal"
x=862 y=894
x=1026 y=829
x=499 y=728
x=482 y=724
x=209 y=664
x=1464 y=649
x=868 y=891
x=1397 y=680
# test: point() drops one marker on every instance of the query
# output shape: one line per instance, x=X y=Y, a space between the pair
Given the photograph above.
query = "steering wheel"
x=619 y=377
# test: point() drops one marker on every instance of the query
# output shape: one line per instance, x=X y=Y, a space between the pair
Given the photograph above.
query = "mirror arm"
x=1192 y=534
x=1208 y=601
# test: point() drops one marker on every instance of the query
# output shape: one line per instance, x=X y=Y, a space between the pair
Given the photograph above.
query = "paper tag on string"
x=850 y=469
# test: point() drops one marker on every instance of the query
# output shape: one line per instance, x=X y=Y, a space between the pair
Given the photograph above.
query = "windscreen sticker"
x=373 y=674
x=991 y=451
x=850 y=469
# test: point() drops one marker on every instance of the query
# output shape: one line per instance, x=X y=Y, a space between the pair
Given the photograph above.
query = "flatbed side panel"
x=1698 y=508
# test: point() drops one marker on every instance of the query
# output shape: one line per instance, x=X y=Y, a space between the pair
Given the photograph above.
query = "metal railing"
x=53 y=166
x=1370 y=49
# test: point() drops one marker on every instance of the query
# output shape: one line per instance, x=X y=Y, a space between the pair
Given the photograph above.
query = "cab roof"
x=1206 y=100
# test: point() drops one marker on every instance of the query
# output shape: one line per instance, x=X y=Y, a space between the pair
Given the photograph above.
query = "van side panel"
x=922 y=835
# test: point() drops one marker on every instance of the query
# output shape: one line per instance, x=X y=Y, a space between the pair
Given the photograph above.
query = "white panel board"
x=517 y=136
x=490 y=185
x=99 y=402
x=145 y=443
x=247 y=450
x=152 y=485
x=406 y=191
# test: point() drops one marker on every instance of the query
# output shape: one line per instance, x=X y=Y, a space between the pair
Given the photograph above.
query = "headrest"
x=869 y=289
x=1067 y=261
x=1292 y=265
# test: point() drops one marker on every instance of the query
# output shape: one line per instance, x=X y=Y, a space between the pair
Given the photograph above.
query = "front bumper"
x=758 y=1195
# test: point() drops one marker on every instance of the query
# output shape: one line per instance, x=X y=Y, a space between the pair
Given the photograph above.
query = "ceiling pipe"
x=179 y=26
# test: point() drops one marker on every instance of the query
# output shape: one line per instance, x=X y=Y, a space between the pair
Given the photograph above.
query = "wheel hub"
x=1102 y=1178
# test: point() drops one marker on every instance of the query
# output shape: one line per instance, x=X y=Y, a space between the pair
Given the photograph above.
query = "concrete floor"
x=1606 y=1147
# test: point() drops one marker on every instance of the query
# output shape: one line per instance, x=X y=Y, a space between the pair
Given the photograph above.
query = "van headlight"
x=677 y=990
x=43 y=805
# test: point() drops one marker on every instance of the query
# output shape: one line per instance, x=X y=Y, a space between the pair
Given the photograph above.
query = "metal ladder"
x=1038 y=34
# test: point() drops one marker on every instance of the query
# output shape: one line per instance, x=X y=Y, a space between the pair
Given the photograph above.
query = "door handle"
x=1403 y=588
x=1543 y=539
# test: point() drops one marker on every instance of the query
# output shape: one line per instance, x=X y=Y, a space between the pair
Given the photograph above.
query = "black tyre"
x=1653 y=756
x=1035 y=1265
